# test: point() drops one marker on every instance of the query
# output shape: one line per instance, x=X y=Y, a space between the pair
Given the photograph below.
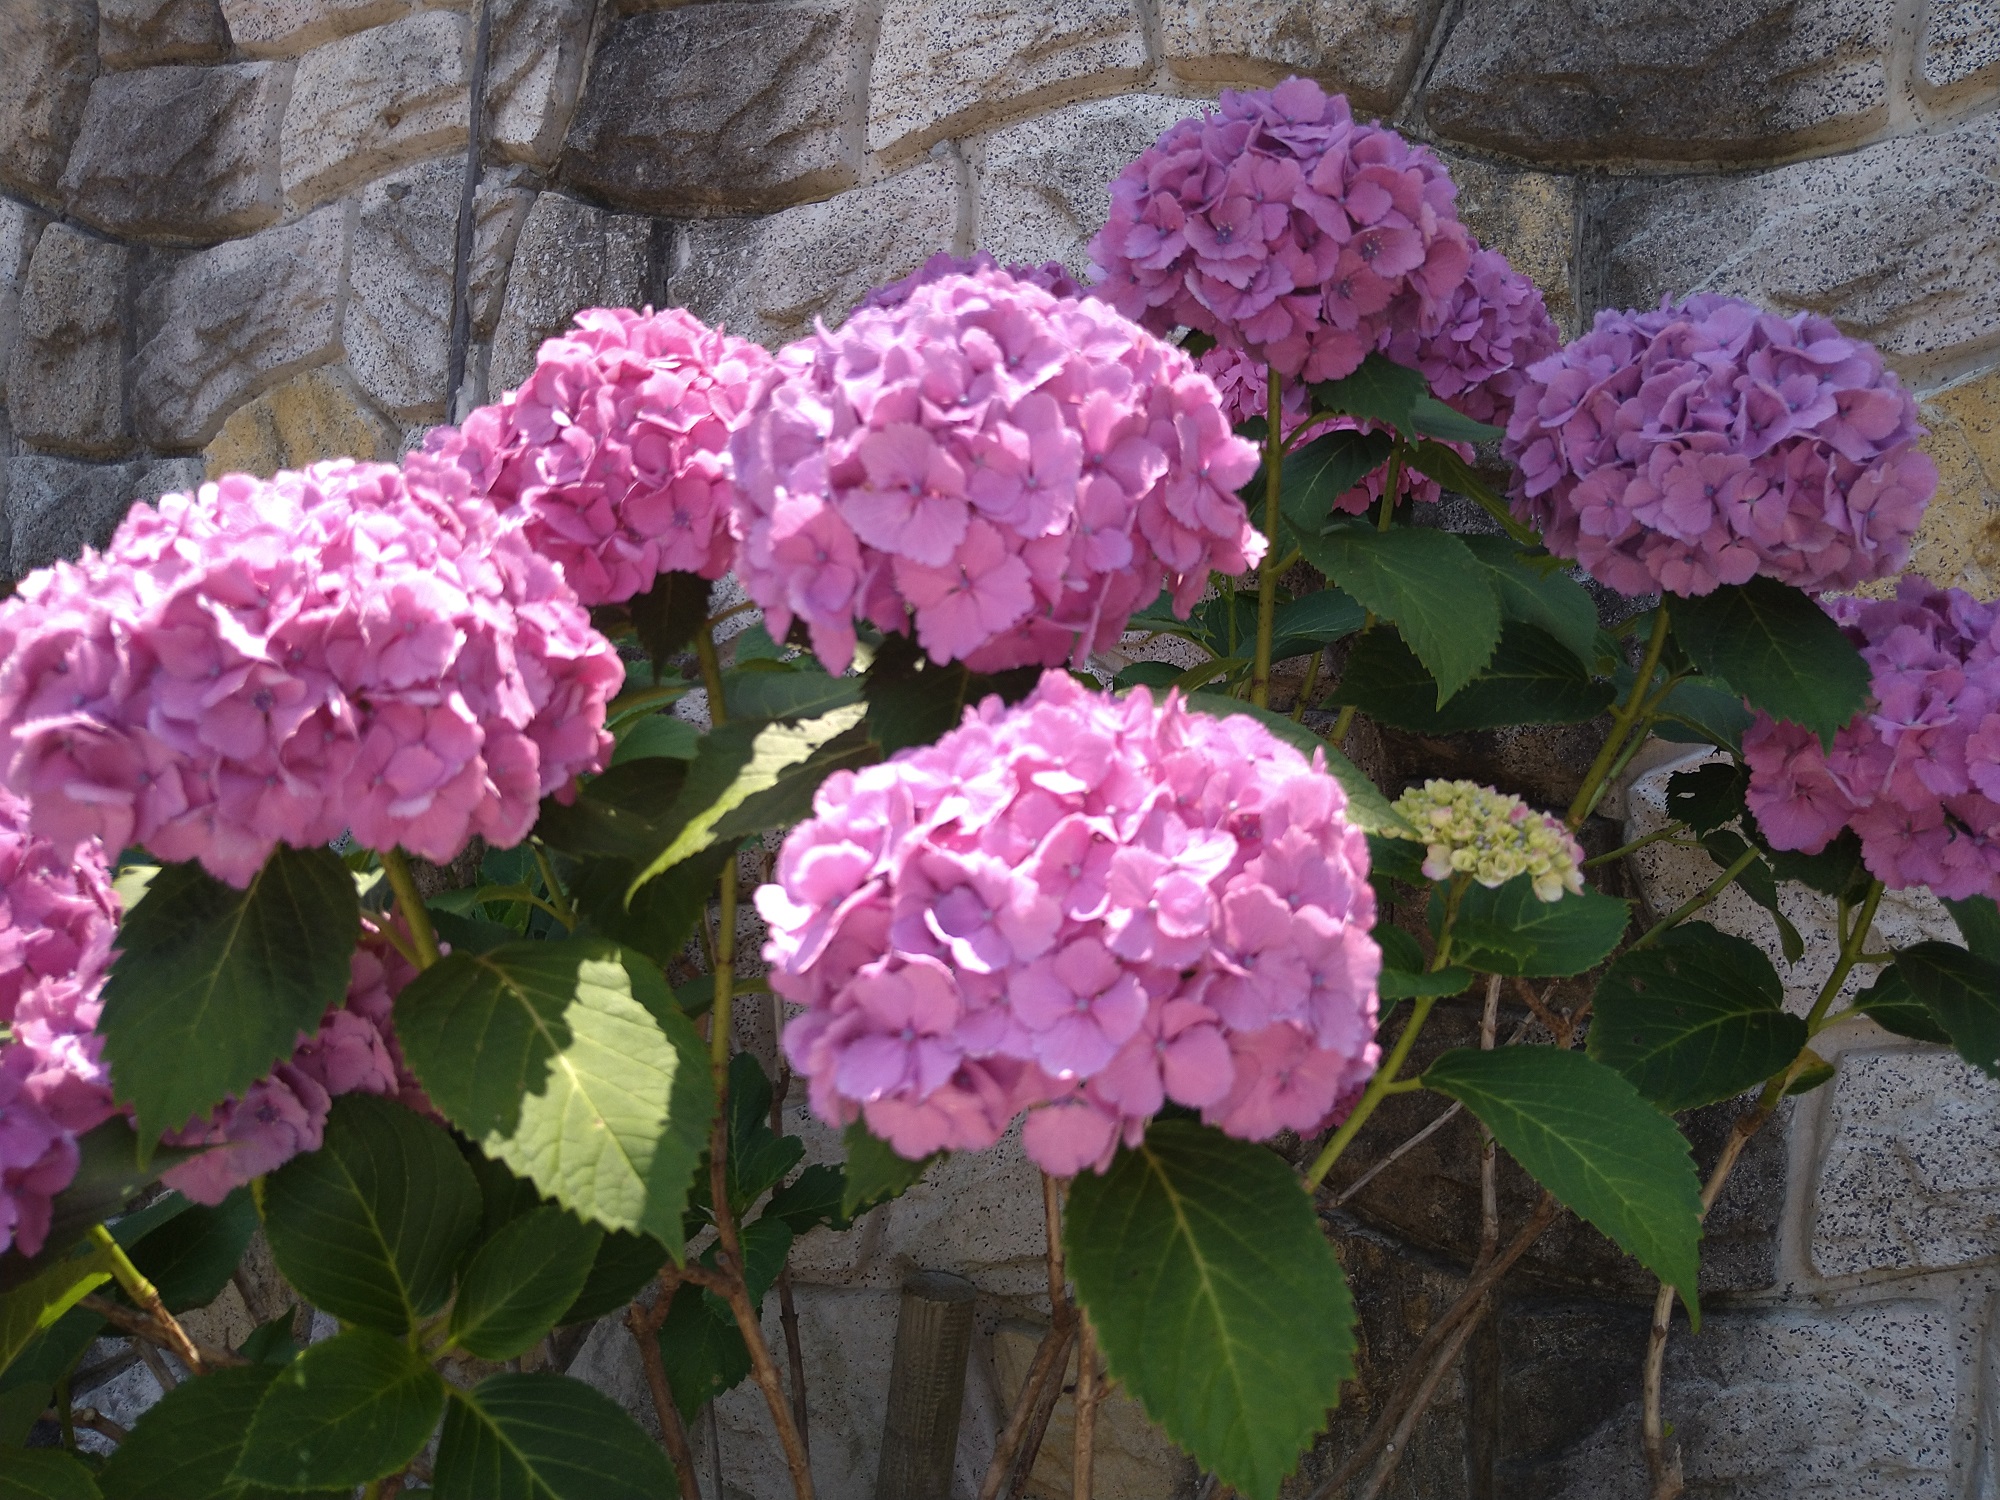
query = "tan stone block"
x=223 y=1324
x=312 y=416
x=1366 y=49
x=1530 y=217
x=1959 y=542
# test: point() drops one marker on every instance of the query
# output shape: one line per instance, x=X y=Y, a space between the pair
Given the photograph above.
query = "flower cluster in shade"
x=1052 y=276
x=275 y=661
x=1707 y=442
x=1013 y=473
x=1469 y=829
x=1082 y=907
x=1284 y=229
x=616 y=448
x=1917 y=775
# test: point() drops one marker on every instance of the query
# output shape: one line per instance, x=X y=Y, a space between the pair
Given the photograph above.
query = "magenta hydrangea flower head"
x=1917 y=776
x=274 y=661
x=617 y=448
x=1494 y=327
x=1009 y=473
x=1052 y=276
x=1081 y=906
x=1281 y=227
x=1706 y=442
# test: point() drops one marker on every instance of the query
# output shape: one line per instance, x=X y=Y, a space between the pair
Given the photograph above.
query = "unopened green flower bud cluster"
x=1469 y=829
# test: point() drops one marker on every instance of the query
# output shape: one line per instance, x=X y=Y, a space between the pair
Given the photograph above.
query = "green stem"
x=730 y=613
x=423 y=937
x=1622 y=720
x=1672 y=830
x=146 y=1297
x=1391 y=482
x=558 y=904
x=1688 y=908
x=711 y=675
x=1267 y=576
x=1311 y=682
x=1851 y=946
x=725 y=976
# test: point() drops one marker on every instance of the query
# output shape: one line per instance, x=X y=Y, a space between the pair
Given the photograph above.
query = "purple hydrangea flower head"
x=1082 y=906
x=1008 y=473
x=617 y=448
x=1917 y=776
x=1706 y=442
x=1051 y=276
x=1283 y=228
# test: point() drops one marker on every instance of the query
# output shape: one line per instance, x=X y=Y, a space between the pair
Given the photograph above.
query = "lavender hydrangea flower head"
x=1009 y=473
x=1082 y=906
x=1052 y=276
x=1706 y=442
x=1494 y=327
x=1283 y=228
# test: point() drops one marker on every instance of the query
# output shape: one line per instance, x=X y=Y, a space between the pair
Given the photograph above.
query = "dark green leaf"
x=662 y=916
x=1312 y=621
x=1433 y=418
x=1963 y=991
x=1587 y=1136
x=787 y=695
x=1777 y=648
x=1700 y=711
x=371 y=1225
x=667 y=616
x=1405 y=975
x=48 y=1355
x=186 y=1447
x=1367 y=808
x=875 y=1173
x=1396 y=859
x=470 y=934
x=758 y=1156
x=1532 y=679
x=703 y=1352
x=1725 y=846
x=522 y=1280
x=1709 y=796
x=545 y=1437
x=789 y=800
x=1445 y=466
x=1698 y=1017
x=1380 y=390
x=1837 y=870
x=625 y=1262
x=1215 y=1296
x=657 y=736
x=1817 y=1072
x=272 y=1343
x=1507 y=931
x=503 y=1196
x=1316 y=475
x=811 y=1199
x=1979 y=924
x=623 y=814
x=1530 y=590
x=190 y=1258
x=569 y=1061
x=348 y=1410
x=753 y=643
x=108 y=1177
x=37 y=1303
x=1147 y=674
x=213 y=986
x=44 y=1474
x=1890 y=1005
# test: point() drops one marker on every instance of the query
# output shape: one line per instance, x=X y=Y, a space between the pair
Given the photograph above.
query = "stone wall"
x=240 y=234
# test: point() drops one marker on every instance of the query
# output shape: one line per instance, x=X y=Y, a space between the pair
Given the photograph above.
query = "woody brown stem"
x=1020 y=1440
x=142 y=1326
x=1087 y=1397
x=644 y=1323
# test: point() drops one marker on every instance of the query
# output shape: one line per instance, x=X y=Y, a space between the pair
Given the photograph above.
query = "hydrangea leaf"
x=1384 y=391
x=1405 y=975
x=371 y=1225
x=109 y=1176
x=1215 y=1296
x=350 y=1409
x=661 y=736
x=186 y=1447
x=1962 y=990
x=1704 y=711
x=1532 y=679
x=1314 y=620
x=1452 y=472
x=521 y=1280
x=701 y=1350
x=39 y=1302
x=668 y=615
x=1698 y=1017
x=813 y=1198
x=624 y=1263
x=44 y=1474
x=1367 y=808
x=1506 y=930
x=1586 y=1134
x=1779 y=649
x=213 y=986
x=790 y=696
x=1535 y=589
x=1317 y=474
x=1708 y=796
x=569 y=1061
x=545 y=1437
x=1890 y=1004
x=875 y=1173
x=190 y=1258
x=1978 y=921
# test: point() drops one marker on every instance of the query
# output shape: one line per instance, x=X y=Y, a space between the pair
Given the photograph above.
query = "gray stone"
x=48 y=55
x=280 y=28
x=1044 y=185
x=20 y=228
x=370 y=102
x=57 y=506
x=767 y=279
x=717 y=109
x=180 y=152
x=1530 y=217
x=226 y=323
x=146 y=33
x=949 y=66
x=1892 y=241
x=66 y=373
x=1368 y=51
x=1910 y=1175
x=569 y=256
x=1960 y=57
x=1694 y=80
x=534 y=71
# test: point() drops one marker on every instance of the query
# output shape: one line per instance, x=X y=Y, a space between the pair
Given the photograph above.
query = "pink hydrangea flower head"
x=1706 y=442
x=1083 y=907
x=1283 y=228
x=1008 y=474
x=1916 y=776
x=1051 y=276
x=617 y=448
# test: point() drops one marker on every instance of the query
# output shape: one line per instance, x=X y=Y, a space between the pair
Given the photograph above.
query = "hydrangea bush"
x=372 y=838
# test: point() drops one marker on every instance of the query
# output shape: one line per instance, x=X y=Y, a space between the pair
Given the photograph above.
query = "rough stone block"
x=1695 y=80
x=767 y=279
x=180 y=152
x=1367 y=51
x=534 y=71
x=280 y=28
x=1044 y=185
x=146 y=33
x=369 y=102
x=1960 y=52
x=48 y=55
x=1959 y=541
x=1530 y=217
x=1891 y=241
x=57 y=506
x=569 y=256
x=20 y=228
x=66 y=373
x=313 y=416
x=227 y=323
x=717 y=109
x=945 y=68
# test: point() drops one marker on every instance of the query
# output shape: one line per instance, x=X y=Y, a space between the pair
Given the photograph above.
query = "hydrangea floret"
x=1052 y=276
x=1492 y=836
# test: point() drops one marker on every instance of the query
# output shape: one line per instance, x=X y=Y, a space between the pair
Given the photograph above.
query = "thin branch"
x=162 y=1376
x=795 y=1358
x=1014 y=1452
x=1088 y=1395
x=1399 y=1441
x=144 y=1328
x=644 y=1323
x=91 y=1419
x=1394 y=1156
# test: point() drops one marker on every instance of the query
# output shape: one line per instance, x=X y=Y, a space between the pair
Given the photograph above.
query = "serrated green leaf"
x=1426 y=583
x=624 y=1263
x=44 y=1474
x=668 y=615
x=758 y=1156
x=1216 y=1298
x=1837 y=870
x=1698 y=1017
x=1367 y=808
x=1312 y=621
x=1532 y=679
x=1708 y=796
x=569 y=1061
x=790 y=696
x=1319 y=473
x=875 y=1173
x=371 y=1226
x=1397 y=859
x=622 y=814
x=36 y=1304
x=190 y=1258
x=790 y=799
x=350 y=1409
x=811 y=1200
x=272 y=1343
x=662 y=917
x=1544 y=597
x=1700 y=711
x=1405 y=975
x=545 y=1437
x=1962 y=990
x=186 y=1447
x=108 y=1177
x=47 y=1357
x=1433 y=418
x=520 y=1281
x=1978 y=921
x=1725 y=846
x=1507 y=931
x=1890 y=1004
x=702 y=1350
x=1156 y=675
x=1379 y=389
x=1586 y=1135
x=1777 y=648
x=213 y=986
x=657 y=736
x=1445 y=466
